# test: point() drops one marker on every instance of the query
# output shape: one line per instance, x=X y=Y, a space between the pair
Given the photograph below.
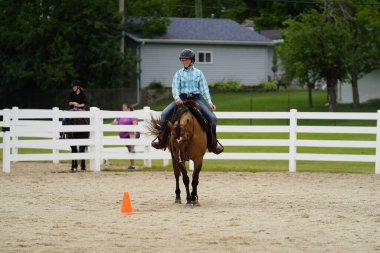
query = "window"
x=204 y=57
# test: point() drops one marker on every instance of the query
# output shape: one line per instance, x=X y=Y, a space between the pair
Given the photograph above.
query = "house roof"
x=204 y=31
x=272 y=34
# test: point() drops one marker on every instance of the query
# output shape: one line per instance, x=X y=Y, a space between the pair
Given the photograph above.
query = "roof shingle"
x=209 y=29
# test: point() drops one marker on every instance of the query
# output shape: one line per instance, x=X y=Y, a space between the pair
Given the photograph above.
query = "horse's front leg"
x=177 y=190
x=195 y=182
x=186 y=182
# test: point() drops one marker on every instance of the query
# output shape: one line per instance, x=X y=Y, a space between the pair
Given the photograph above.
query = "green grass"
x=283 y=100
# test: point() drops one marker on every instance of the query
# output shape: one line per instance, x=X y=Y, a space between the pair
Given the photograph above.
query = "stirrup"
x=218 y=148
x=158 y=144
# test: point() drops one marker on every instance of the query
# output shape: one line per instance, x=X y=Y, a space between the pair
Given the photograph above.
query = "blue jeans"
x=205 y=109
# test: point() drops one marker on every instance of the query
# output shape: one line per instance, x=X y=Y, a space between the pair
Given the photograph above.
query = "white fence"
x=39 y=129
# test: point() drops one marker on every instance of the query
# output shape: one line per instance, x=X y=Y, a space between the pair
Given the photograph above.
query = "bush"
x=268 y=86
x=229 y=85
x=155 y=86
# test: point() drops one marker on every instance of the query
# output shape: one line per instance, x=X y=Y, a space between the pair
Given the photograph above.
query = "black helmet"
x=76 y=83
x=187 y=54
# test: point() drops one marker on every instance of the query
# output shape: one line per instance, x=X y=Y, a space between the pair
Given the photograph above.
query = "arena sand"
x=45 y=209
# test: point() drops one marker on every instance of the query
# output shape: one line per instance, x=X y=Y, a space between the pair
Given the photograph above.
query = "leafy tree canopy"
x=47 y=43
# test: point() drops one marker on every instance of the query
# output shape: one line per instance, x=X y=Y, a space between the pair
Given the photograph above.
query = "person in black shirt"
x=77 y=102
x=77 y=97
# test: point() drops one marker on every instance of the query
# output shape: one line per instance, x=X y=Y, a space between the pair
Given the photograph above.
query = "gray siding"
x=247 y=64
x=369 y=88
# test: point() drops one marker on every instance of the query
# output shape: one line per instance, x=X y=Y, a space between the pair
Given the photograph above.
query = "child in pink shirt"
x=128 y=121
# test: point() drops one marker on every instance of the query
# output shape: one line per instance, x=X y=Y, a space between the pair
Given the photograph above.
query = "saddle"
x=194 y=108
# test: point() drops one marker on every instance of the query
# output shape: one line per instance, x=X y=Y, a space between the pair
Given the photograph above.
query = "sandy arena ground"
x=45 y=209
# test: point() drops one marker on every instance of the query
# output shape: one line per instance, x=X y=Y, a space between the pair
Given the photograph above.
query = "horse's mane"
x=178 y=113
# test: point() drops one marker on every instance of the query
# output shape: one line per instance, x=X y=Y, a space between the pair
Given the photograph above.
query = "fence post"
x=14 y=123
x=6 y=142
x=377 y=163
x=292 y=140
x=147 y=162
x=97 y=148
x=55 y=133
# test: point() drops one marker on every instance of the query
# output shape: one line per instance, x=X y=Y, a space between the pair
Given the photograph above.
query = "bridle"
x=182 y=142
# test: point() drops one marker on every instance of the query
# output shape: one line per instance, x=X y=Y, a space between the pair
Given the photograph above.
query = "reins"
x=187 y=140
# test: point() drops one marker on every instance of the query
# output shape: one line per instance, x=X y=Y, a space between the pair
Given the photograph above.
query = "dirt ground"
x=43 y=208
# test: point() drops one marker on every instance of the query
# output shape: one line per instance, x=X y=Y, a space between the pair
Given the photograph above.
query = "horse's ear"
x=170 y=125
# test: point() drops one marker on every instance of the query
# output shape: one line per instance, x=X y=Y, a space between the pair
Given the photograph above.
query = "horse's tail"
x=153 y=125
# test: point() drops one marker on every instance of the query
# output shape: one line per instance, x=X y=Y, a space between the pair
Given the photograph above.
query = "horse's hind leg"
x=195 y=181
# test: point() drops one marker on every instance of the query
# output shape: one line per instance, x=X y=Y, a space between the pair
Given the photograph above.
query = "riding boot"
x=161 y=140
x=213 y=144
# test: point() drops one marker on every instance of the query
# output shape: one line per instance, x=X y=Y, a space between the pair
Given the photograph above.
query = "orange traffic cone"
x=126 y=206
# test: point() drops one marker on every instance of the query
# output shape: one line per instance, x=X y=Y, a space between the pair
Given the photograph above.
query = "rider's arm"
x=176 y=85
x=203 y=88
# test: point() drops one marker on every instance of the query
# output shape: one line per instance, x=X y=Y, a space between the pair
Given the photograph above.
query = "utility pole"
x=198 y=8
x=121 y=9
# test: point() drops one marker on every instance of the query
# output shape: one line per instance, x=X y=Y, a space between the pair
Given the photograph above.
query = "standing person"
x=77 y=101
x=131 y=135
x=77 y=97
x=189 y=83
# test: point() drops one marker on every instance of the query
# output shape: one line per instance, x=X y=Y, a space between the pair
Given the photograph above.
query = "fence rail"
x=39 y=129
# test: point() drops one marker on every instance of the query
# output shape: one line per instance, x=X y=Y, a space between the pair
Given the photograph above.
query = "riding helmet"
x=76 y=83
x=187 y=54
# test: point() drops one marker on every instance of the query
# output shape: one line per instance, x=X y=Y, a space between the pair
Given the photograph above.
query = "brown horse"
x=187 y=141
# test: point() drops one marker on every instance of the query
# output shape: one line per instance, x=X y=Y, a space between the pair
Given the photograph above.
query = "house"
x=224 y=49
x=369 y=89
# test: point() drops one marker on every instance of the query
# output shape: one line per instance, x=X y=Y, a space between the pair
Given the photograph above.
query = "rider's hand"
x=213 y=107
x=178 y=101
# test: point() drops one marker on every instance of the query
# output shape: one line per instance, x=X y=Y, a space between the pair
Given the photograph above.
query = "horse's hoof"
x=177 y=201
x=195 y=203
x=83 y=169
x=189 y=205
x=73 y=170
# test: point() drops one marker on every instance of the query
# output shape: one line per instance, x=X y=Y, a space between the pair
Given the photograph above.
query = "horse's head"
x=181 y=133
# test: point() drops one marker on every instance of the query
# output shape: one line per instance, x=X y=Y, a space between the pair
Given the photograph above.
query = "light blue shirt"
x=190 y=81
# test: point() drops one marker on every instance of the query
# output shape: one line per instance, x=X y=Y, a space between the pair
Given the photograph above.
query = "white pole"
x=14 y=120
x=191 y=165
x=6 y=143
x=55 y=133
x=377 y=163
x=292 y=140
x=98 y=123
x=91 y=148
x=147 y=162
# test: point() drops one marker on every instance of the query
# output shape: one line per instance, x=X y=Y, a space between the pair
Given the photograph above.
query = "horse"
x=76 y=135
x=187 y=141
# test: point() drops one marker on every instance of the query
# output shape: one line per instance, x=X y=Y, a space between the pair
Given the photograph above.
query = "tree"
x=315 y=46
x=147 y=17
x=46 y=43
x=273 y=14
x=364 y=25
